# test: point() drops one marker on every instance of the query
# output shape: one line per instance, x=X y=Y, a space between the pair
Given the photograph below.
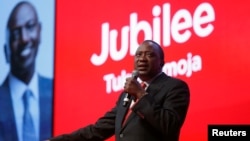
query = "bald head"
x=18 y=13
x=23 y=39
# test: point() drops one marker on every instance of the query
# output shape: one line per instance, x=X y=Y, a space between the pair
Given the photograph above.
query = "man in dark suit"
x=29 y=117
x=158 y=111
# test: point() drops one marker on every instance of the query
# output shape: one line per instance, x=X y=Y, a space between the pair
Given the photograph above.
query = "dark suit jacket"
x=157 y=116
x=8 y=130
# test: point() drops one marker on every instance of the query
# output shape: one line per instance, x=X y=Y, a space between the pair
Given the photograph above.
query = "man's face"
x=147 y=60
x=24 y=37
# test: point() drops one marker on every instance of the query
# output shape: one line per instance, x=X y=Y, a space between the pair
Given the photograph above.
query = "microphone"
x=135 y=74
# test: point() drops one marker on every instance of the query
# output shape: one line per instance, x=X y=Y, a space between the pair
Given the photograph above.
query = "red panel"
x=219 y=89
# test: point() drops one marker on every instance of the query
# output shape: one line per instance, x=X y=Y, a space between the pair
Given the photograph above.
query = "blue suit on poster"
x=8 y=129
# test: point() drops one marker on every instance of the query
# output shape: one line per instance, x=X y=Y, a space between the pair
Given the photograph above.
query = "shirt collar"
x=17 y=87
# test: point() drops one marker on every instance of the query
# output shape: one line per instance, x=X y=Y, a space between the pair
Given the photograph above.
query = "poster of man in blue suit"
x=26 y=95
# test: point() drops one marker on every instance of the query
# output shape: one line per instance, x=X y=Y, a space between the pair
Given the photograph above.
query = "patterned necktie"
x=28 y=126
x=143 y=85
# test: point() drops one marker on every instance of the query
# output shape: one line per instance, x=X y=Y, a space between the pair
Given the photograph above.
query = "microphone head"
x=135 y=74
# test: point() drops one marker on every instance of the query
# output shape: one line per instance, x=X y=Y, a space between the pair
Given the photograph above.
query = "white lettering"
x=178 y=28
x=115 y=84
x=135 y=28
x=99 y=60
x=113 y=48
x=216 y=132
x=199 y=19
x=156 y=23
x=184 y=66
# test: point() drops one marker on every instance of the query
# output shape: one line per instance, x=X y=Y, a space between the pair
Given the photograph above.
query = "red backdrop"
x=208 y=43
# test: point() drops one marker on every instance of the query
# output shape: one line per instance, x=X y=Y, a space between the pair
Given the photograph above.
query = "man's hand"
x=134 y=88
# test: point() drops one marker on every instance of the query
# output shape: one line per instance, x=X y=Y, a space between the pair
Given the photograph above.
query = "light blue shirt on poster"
x=17 y=89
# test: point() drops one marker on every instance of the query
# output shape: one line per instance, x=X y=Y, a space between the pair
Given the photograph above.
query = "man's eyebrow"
x=146 y=52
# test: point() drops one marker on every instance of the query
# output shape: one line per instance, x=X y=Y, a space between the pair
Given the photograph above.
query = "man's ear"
x=39 y=30
x=7 y=53
x=162 y=63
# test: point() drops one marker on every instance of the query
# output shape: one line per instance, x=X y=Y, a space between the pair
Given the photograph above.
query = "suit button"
x=121 y=135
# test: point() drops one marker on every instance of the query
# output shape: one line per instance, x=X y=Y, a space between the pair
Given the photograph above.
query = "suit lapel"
x=153 y=88
x=121 y=113
x=157 y=84
x=132 y=114
x=45 y=104
x=7 y=118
